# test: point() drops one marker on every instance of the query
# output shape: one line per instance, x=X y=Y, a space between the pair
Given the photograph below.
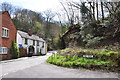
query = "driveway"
x=36 y=67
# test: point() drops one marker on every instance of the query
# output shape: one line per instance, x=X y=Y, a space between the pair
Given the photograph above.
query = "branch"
x=65 y=10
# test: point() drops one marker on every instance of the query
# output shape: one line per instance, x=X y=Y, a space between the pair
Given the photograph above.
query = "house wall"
x=23 y=43
x=19 y=39
x=7 y=23
x=37 y=49
x=0 y=30
x=43 y=48
x=30 y=42
x=35 y=46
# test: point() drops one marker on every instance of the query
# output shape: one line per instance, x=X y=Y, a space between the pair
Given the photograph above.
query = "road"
x=36 y=67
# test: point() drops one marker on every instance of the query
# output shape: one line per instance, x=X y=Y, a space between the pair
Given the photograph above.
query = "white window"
x=5 y=32
x=42 y=44
x=37 y=43
x=3 y=50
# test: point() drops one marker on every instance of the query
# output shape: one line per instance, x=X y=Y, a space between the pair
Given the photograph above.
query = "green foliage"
x=93 y=42
x=113 y=48
x=79 y=62
x=105 y=59
x=14 y=50
x=88 y=35
x=37 y=28
x=63 y=28
x=58 y=43
x=85 y=13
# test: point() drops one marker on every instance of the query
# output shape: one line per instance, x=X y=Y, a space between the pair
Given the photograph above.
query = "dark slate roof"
x=33 y=37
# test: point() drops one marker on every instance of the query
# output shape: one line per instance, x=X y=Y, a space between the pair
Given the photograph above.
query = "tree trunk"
x=97 y=8
x=102 y=11
x=93 y=11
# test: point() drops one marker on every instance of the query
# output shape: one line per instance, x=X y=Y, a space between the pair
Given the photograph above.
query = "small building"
x=7 y=34
x=32 y=43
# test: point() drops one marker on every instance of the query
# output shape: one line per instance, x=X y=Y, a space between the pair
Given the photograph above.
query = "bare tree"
x=102 y=10
x=7 y=7
x=70 y=12
x=49 y=15
x=97 y=8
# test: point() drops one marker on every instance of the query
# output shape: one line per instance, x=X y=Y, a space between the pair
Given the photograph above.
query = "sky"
x=38 y=5
x=35 y=5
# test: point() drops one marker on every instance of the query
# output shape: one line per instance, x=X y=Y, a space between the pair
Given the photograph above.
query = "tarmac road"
x=36 y=67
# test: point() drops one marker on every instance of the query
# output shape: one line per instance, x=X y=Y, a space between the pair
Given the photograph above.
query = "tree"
x=25 y=19
x=102 y=10
x=71 y=12
x=7 y=7
x=87 y=11
x=38 y=29
x=49 y=15
x=14 y=50
x=113 y=18
x=97 y=9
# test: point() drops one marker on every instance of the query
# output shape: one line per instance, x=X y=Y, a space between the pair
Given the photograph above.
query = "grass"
x=72 y=58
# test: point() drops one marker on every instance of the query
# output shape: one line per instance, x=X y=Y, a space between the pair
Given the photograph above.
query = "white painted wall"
x=30 y=42
x=43 y=48
x=21 y=40
x=23 y=43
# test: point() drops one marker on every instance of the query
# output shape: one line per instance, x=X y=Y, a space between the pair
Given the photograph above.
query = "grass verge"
x=102 y=60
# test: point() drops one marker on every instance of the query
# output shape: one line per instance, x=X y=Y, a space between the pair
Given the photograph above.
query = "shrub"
x=14 y=50
x=93 y=42
x=59 y=43
x=106 y=59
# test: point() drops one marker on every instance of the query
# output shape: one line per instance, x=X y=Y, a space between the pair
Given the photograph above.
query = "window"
x=43 y=45
x=3 y=50
x=37 y=50
x=33 y=42
x=37 y=43
x=25 y=40
x=5 y=32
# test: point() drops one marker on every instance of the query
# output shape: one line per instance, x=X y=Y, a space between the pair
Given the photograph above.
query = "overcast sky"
x=38 y=5
x=35 y=5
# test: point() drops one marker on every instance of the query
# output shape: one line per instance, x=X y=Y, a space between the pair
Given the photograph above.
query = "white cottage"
x=32 y=43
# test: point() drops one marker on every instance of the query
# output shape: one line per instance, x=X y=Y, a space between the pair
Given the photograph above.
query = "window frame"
x=43 y=45
x=5 y=32
x=26 y=41
x=3 y=50
x=34 y=42
x=38 y=43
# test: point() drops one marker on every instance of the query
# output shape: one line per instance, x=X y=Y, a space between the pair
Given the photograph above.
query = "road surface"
x=36 y=67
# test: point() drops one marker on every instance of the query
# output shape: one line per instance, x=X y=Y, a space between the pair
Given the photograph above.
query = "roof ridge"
x=25 y=35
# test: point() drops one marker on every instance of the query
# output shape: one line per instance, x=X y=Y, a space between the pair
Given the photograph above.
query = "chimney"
x=30 y=32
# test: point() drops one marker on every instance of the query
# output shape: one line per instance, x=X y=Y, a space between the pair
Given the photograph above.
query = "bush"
x=90 y=35
x=14 y=50
x=58 y=44
x=93 y=42
x=106 y=59
x=78 y=62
